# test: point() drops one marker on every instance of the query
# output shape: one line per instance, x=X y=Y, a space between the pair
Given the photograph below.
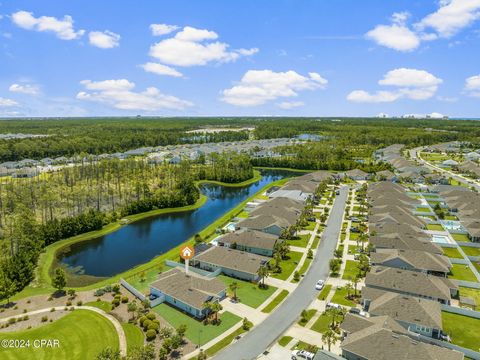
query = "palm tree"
x=348 y=288
x=207 y=306
x=335 y=313
x=330 y=337
x=233 y=288
x=216 y=307
x=263 y=273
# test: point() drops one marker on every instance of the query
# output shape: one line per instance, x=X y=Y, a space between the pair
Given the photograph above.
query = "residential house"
x=251 y=241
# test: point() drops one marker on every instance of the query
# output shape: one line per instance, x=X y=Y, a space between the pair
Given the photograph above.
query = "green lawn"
x=134 y=335
x=423 y=209
x=351 y=270
x=224 y=342
x=274 y=303
x=248 y=293
x=315 y=242
x=471 y=251
x=472 y=293
x=310 y=226
x=196 y=330
x=477 y=266
x=460 y=237
x=243 y=214
x=354 y=236
x=354 y=249
x=288 y=265
x=435 y=227
x=324 y=292
x=462 y=272
x=82 y=335
x=451 y=217
x=305 y=266
x=310 y=314
x=340 y=297
x=105 y=306
x=462 y=329
x=300 y=241
x=142 y=284
x=452 y=253
x=284 y=340
x=323 y=323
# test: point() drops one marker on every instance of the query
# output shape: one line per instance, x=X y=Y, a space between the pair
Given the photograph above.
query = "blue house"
x=188 y=292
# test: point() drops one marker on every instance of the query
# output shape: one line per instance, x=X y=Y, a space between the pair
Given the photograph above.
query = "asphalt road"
x=414 y=155
x=266 y=333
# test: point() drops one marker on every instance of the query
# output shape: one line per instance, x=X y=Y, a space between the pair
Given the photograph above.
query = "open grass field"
x=471 y=251
x=134 y=335
x=301 y=241
x=82 y=335
x=462 y=329
x=452 y=253
x=248 y=293
x=462 y=272
x=351 y=270
x=288 y=265
x=197 y=332
x=275 y=302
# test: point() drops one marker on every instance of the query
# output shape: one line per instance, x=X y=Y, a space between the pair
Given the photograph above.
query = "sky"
x=239 y=58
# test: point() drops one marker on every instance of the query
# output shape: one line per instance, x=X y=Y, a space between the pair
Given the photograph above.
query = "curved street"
x=266 y=333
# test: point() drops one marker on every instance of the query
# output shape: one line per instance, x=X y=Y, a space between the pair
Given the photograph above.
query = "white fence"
x=194 y=269
x=134 y=291
x=461 y=311
x=470 y=353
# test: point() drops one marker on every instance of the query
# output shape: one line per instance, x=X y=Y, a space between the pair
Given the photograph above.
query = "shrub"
x=124 y=299
x=153 y=326
x=116 y=288
x=25 y=318
x=151 y=316
x=24 y=311
x=12 y=320
x=151 y=335
x=79 y=303
x=142 y=319
x=115 y=302
x=15 y=307
x=52 y=310
x=146 y=324
x=44 y=318
x=68 y=303
x=29 y=301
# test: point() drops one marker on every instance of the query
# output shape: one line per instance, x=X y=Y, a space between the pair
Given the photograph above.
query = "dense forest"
x=39 y=211
x=68 y=137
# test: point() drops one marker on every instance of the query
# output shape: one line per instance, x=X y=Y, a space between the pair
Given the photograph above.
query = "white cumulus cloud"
x=4 y=102
x=24 y=89
x=472 y=86
x=161 y=69
x=162 y=29
x=63 y=28
x=120 y=94
x=104 y=39
x=397 y=35
x=260 y=86
x=287 y=105
x=407 y=83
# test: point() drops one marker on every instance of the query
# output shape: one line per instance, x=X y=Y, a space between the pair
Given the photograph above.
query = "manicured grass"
x=462 y=272
x=462 y=329
x=196 y=330
x=435 y=227
x=451 y=217
x=354 y=249
x=477 y=266
x=305 y=266
x=275 y=302
x=343 y=237
x=243 y=214
x=460 y=237
x=224 y=342
x=249 y=293
x=134 y=335
x=300 y=241
x=82 y=335
x=324 y=292
x=310 y=314
x=315 y=242
x=288 y=265
x=340 y=297
x=351 y=270
x=311 y=226
x=471 y=251
x=354 y=236
x=301 y=345
x=284 y=340
x=323 y=323
x=150 y=276
x=103 y=305
x=423 y=209
x=472 y=293
x=452 y=253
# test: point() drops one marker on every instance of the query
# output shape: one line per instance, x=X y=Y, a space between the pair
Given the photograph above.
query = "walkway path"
x=122 y=340
x=263 y=335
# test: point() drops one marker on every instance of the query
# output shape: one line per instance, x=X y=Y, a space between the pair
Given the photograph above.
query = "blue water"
x=139 y=242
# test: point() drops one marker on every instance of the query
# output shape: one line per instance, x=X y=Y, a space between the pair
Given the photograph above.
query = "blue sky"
x=305 y=58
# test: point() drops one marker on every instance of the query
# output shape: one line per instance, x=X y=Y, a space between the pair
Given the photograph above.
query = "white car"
x=302 y=354
x=320 y=284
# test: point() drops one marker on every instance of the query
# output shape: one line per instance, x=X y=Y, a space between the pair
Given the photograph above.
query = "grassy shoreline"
x=41 y=283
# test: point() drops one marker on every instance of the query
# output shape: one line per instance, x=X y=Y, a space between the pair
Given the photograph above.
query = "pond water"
x=141 y=241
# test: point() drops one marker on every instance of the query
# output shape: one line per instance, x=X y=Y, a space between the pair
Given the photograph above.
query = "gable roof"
x=420 y=260
x=250 y=238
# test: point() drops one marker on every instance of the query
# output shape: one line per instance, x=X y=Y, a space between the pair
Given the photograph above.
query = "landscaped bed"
x=462 y=329
x=248 y=293
x=452 y=253
x=196 y=330
x=309 y=314
x=462 y=272
x=81 y=334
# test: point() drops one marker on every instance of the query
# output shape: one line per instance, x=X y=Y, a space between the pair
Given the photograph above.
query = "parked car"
x=337 y=192
x=320 y=284
x=302 y=354
x=358 y=312
x=333 y=305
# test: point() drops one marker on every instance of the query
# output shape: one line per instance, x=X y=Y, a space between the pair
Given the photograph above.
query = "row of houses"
x=238 y=254
x=466 y=205
x=405 y=287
